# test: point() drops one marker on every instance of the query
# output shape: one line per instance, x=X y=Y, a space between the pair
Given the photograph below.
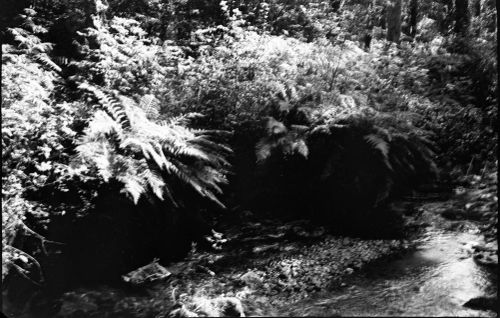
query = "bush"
x=60 y=158
x=341 y=170
x=37 y=136
x=121 y=143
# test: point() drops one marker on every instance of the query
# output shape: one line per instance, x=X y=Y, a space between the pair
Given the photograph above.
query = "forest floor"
x=272 y=268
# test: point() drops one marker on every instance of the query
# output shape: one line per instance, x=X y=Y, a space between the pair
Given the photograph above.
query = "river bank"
x=275 y=269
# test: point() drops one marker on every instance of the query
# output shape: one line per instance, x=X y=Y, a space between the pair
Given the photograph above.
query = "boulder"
x=483 y=303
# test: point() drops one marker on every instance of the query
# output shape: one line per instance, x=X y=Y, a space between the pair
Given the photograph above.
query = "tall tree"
x=461 y=16
x=413 y=12
x=393 y=13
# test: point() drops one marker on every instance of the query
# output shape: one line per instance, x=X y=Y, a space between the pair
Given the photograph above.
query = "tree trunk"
x=461 y=16
x=95 y=13
x=393 y=20
x=371 y=21
x=413 y=17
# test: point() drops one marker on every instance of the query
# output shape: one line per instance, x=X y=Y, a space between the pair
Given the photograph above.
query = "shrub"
x=341 y=170
x=121 y=143
x=59 y=157
x=36 y=138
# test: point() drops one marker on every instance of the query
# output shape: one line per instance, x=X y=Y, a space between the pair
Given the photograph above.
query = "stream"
x=436 y=279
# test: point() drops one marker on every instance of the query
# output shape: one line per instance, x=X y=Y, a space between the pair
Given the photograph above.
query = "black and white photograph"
x=249 y=158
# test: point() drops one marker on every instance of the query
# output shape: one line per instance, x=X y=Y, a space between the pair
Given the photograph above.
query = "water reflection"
x=435 y=280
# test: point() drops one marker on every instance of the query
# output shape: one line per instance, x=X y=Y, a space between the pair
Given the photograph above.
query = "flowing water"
x=434 y=280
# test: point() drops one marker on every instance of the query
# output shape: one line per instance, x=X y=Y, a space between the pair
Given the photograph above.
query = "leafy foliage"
x=122 y=144
x=102 y=93
x=343 y=160
x=35 y=139
x=45 y=141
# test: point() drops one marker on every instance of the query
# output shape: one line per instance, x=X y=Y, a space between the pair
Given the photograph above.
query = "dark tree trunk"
x=413 y=12
x=371 y=21
x=393 y=20
x=445 y=18
x=461 y=16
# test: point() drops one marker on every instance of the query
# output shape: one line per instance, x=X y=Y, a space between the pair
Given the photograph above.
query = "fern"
x=146 y=157
x=43 y=59
x=110 y=103
x=150 y=105
x=282 y=140
x=356 y=163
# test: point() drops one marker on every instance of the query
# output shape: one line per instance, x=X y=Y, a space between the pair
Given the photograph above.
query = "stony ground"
x=264 y=265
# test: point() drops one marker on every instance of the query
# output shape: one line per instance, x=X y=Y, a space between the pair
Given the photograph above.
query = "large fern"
x=355 y=163
x=151 y=157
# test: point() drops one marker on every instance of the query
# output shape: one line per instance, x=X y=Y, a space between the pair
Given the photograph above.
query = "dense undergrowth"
x=127 y=128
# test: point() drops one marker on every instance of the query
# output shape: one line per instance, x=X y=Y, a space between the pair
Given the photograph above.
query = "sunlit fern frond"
x=146 y=156
x=150 y=104
x=263 y=149
x=43 y=59
x=112 y=105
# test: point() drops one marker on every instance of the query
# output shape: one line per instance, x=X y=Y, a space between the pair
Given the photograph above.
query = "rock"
x=222 y=306
x=483 y=303
x=483 y=248
x=229 y=307
x=181 y=311
x=251 y=279
x=148 y=273
x=486 y=259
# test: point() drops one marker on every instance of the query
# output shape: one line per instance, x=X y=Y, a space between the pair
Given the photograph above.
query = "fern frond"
x=155 y=182
x=61 y=60
x=147 y=155
x=150 y=104
x=110 y=103
x=263 y=150
x=43 y=59
x=301 y=148
x=381 y=145
x=132 y=185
